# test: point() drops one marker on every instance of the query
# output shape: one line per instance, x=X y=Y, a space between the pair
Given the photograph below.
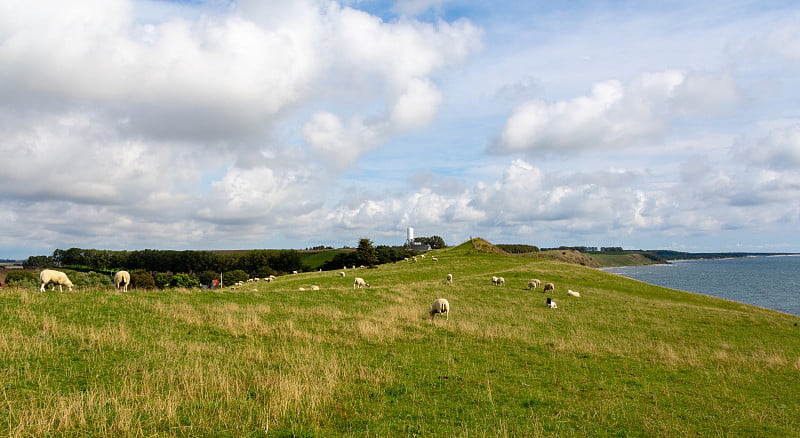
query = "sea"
x=772 y=282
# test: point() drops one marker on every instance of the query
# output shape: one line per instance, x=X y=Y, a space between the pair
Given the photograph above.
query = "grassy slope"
x=315 y=259
x=624 y=359
x=634 y=259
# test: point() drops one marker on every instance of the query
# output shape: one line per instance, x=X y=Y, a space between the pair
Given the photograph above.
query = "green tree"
x=366 y=254
x=34 y=262
x=436 y=242
x=184 y=280
x=162 y=280
x=232 y=277
x=206 y=277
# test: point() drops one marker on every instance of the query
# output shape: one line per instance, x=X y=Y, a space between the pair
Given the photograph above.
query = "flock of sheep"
x=440 y=306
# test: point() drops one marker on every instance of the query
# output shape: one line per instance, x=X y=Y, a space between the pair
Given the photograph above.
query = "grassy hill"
x=624 y=359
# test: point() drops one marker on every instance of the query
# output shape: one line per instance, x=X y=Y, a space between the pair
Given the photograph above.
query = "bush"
x=22 y=279
x=231 y=277
x=184 y=280
x=265 y=271
x=90 y=279
x=142 y=280
x=162 y=280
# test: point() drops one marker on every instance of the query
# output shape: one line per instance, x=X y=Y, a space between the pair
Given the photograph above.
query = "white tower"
x=410 y=235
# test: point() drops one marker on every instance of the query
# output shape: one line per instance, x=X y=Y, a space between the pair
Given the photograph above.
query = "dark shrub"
x=142 y=280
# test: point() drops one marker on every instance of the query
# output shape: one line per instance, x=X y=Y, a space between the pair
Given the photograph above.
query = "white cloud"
x=778 y=149
x=614 y=115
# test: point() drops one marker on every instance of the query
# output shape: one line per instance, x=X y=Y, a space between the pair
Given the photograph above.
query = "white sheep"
x=341 y=274
x=55 y=277
x=440 y=305
x=122 y=278
x=450 y=278
x=501 y=281
x=314 y=287
x=573 y=293
x=359 y=283
x=549 y=286
x=494 y=281
x=294 y=272
x=551 y=304
x=434 y=259
x=534 y=283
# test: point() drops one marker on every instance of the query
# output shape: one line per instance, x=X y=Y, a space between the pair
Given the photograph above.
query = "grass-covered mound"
x=625 y=358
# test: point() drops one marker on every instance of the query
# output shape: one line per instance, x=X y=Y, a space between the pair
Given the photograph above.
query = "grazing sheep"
x=434 y=259
x=551 y=304
x=534 y=283
x=440 y=305
x=122 y=278
x=549 y=286
x=359 y=283
x=573 y=293
x=450 y=278
x=494 y=281
x=55 y=277
x=341 y=274
x=294 y=272
x=501 y=281
x=314 y=287
x=301 y=288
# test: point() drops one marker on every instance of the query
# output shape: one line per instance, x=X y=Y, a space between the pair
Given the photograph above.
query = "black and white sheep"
x=122 y=279
x=551 y=304
x=55 y=277
x=439 y=306
x=450 y=278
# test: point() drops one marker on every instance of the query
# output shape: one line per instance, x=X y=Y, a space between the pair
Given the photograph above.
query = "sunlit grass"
x=624 y=359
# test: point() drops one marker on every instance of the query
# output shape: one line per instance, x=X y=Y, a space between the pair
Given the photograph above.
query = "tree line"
x=255 y=262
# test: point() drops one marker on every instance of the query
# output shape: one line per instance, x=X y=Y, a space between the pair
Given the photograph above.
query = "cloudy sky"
x=220 y=124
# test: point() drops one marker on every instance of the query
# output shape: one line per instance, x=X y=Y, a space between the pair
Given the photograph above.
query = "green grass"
x=625 y=359
x=315 y=259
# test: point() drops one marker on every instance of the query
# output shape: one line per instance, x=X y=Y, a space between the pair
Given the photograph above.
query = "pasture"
x=624 y=359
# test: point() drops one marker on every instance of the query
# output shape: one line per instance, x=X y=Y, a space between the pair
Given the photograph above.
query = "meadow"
x=624 y=359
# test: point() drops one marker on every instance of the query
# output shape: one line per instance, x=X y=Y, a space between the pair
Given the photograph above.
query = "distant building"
x=414 y=245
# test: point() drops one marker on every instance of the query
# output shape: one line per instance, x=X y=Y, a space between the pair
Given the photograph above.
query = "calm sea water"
x=772 y=282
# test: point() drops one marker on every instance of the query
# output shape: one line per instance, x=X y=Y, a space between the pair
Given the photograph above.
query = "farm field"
x=624 y=359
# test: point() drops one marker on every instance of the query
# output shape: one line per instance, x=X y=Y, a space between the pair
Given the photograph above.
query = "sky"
x=258 y=124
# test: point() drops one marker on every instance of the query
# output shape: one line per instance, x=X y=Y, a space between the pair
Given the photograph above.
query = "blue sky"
x=270 y=124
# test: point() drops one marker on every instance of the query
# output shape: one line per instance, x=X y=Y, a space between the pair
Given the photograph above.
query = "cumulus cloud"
x=779 y=149
x=614 y=115
x=405 y=55
x=182 y=111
